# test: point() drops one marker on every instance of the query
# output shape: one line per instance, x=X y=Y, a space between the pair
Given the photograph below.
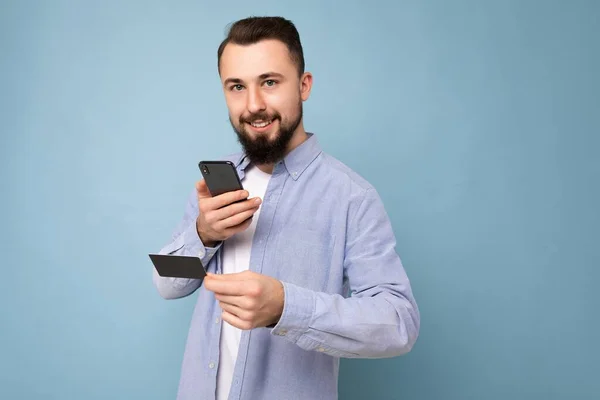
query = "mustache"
x=260 y=116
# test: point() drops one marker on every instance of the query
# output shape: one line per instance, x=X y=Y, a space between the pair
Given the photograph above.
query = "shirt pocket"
x=303 y=257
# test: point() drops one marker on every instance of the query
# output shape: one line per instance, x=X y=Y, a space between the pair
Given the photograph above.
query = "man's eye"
x=237 y=87
x=270 y=82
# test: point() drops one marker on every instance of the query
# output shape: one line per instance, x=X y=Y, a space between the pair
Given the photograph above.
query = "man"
x=313 y=276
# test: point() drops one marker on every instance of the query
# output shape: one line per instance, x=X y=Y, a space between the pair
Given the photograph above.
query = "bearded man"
x=301 y=265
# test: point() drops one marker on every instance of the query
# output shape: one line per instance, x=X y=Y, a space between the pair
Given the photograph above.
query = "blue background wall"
x=477 y=121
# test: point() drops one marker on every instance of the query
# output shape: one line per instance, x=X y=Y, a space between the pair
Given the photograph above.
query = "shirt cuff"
x=298 y=310
x=196 y=247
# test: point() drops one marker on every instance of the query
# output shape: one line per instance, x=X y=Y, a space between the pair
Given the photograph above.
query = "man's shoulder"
x=343 y=173
x=337 y=169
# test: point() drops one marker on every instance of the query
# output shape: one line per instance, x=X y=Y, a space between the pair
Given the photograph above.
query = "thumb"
x=233 y=276
x=202 y=189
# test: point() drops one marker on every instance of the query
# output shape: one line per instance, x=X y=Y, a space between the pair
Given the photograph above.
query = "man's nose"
x=256 y=102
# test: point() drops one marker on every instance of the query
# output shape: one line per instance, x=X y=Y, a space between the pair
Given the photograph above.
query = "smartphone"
x=220 y=176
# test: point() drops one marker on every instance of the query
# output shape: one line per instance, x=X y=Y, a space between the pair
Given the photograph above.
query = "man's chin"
x=263 y=137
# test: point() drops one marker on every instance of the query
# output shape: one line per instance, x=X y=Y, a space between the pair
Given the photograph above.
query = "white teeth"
x=261 y=124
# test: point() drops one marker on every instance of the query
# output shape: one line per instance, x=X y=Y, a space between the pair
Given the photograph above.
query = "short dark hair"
x=251 y=30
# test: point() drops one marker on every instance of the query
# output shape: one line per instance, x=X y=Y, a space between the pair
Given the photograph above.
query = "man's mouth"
x=259 y=124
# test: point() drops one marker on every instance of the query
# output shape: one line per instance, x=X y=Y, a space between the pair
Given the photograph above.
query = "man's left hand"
x=249 y=300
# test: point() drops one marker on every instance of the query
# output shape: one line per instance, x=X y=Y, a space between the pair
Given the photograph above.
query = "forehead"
x=250 y=61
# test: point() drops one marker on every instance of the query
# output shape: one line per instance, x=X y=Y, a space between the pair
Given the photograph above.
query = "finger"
x=236 y=311
x=234 y=221
x=234 y=276
x=235 y=321
x=238 y=301
x=236 y=208
x=233 y=288
x=202 y=189
x=222 y=200
x=238 y=228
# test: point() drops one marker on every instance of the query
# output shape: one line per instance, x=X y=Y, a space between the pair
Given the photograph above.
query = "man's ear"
x=306 y=81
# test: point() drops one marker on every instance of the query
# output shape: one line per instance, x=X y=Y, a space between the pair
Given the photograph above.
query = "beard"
x=261 y=149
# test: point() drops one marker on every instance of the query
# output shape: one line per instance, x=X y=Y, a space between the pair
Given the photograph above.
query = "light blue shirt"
x=324 y=233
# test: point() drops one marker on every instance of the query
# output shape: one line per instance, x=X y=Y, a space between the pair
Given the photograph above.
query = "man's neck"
x=299 y=137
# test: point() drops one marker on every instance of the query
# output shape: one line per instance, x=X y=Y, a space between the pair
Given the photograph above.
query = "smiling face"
x=264 y=95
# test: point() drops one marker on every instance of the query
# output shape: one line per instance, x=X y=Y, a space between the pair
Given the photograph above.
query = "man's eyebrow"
x=266 y=75
x=232 y=80
x=271 y=75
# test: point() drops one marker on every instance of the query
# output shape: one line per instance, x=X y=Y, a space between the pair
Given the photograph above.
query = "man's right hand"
x=219 y=219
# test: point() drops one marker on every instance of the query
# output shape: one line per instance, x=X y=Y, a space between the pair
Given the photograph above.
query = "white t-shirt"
x=236 y=258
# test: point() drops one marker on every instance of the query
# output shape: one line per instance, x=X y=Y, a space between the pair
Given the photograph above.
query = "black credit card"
x=174 y=266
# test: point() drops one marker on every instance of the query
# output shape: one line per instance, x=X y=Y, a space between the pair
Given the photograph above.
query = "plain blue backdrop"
x=477 y=122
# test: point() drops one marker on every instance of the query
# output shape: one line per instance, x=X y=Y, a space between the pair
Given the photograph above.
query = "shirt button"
x=282 y=332
x=217 y=320
x=211 y=365
x=295 y=174
x=320 y=349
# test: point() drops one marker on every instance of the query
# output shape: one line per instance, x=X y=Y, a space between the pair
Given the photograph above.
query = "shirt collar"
x=296 y=161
